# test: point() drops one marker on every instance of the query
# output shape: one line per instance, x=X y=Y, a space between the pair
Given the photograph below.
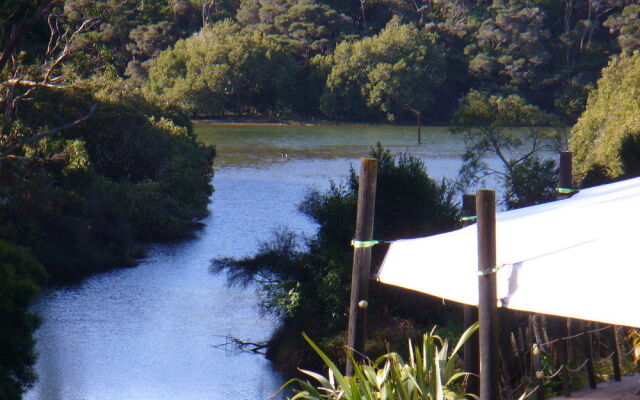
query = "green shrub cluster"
x=86 y=198
x=429 y=373
x=606 y=140
x=20 y=274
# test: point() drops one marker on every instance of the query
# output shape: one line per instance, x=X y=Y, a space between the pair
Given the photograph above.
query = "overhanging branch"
x=9 y=151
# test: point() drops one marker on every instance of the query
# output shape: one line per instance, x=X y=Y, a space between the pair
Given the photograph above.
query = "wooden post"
x=562 y=353
x=587 y=346
x=362 y=258
x=565 y=174
x=487 y=296
x=615 y=360
x=471 y=352
x=565 y=181
x=536 y=363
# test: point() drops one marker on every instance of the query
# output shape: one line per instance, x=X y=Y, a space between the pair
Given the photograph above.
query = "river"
x=150 y=332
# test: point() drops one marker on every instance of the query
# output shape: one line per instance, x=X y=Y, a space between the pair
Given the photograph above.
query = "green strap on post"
x=358 y=244
x=566 y=190
x=490 y=270
x=471 y=218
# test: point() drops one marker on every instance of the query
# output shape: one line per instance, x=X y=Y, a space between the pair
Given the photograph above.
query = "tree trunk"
x=419 y=121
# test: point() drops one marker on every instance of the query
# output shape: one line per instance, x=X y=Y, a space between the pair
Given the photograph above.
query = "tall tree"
x=510 y=45
x=312 y=27
x=606 y=140
x=487 y=123
x=19 y=80
x=626 y=25
x=224 y=68
x=398 y=72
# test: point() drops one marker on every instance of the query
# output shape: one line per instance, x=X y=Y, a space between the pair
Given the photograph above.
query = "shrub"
x=430 y=373
x=606 y=140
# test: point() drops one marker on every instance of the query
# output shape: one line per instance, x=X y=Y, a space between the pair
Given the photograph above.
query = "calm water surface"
x=150 y=332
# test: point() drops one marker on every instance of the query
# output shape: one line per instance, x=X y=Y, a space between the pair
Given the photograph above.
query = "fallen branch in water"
x=243 y=345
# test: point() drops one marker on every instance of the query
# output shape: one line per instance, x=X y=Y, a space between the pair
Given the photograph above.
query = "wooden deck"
x=627 y=389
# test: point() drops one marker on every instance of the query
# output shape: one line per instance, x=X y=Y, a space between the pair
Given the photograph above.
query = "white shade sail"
x=578 y=257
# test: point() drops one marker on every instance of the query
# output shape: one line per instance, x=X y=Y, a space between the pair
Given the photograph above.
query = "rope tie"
x=362 y=244
x=566 y=190
x=488 y=271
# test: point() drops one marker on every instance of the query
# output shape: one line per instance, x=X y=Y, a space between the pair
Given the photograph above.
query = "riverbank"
x=257 y=121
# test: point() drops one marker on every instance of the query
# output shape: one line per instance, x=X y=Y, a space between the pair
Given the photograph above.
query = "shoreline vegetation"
x=98 y=153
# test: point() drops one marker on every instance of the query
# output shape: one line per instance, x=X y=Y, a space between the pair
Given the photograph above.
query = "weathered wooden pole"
x=471 y=352
x=565 y=186
x=587 y=346
x=565 y=175
x=487 y=296
x=562 y=351
x=362 y=258
x=615 y=359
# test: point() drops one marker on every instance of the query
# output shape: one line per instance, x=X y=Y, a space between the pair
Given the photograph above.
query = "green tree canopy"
x=226 y=69
x=311 y=27
x=515 y=132
x=627 y=26
x=397 y=72
x=509 y=45
x=606 y=140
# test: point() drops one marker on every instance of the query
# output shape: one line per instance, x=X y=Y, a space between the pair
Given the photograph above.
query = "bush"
x=606 y=140
x=430 y=373
x=84 y=199
x=226 y=69
x=20 y=275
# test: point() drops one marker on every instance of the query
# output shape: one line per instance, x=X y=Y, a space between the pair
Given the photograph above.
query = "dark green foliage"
x=311 y=27
x=86 y=198
x=307 y=281
x=531 y=182
x=627 y=26
x=510 y=45
x=605 y=141
x=125 y=27
x=20 y=275
x=226 y=69
x=548 y=52
x=398 y=72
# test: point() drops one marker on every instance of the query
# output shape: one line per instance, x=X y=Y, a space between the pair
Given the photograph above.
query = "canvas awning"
x=578 y=257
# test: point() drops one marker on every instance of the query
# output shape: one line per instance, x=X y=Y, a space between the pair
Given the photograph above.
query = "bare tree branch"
x=28 y=83
x=243 y=345
x=86 y=25
x=19 y=31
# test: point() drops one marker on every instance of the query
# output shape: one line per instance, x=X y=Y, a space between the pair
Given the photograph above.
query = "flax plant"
x=429 y=374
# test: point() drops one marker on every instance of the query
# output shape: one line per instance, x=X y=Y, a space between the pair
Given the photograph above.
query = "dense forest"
x=98 y=154
x=378 y=60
